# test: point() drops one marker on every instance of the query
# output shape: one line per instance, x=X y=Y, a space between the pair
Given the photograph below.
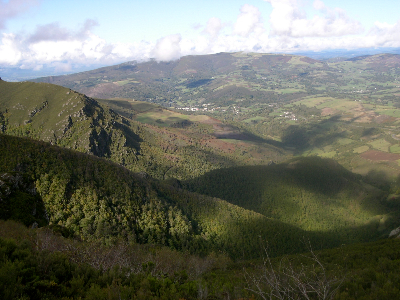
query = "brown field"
x=384 y=119
x=328 y=111
x=375 y=155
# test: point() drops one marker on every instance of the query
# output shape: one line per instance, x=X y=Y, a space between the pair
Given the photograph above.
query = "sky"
x=68 y=35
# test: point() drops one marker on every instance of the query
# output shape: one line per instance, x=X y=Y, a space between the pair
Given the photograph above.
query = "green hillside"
x=312 y=193
x=99 y=200
x=61 y=116
x=69 y=119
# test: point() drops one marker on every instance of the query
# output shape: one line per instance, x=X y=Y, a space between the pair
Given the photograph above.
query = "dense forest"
x=100 y=200
x=312 y=193
x=88 y=246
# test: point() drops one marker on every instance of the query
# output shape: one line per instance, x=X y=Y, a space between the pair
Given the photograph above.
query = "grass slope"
x=66 y=118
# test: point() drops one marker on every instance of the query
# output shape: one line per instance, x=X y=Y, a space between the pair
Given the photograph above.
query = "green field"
x=339 y=104
x=311 y=102
x=360 y=149
x=345 y=141
x=381 y=144
x=390 y=112
x=395 y=149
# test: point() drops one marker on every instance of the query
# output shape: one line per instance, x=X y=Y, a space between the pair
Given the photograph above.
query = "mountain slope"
x=312 y=193
x=66 y=118
x=97 y=199
x=217 y=77
x=61 y=116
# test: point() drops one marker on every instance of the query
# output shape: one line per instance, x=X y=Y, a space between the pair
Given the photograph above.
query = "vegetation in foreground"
x=41 y=264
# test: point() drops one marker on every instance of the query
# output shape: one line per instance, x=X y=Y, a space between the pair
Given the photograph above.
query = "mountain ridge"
x=70 y=119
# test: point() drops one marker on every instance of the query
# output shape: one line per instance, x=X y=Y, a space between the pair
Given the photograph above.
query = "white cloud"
x=384 y=35
x=53 y=32
x=167 y=48
x=248 y=21
x=10 y=53
x=63 y=49
x=319 y=5
x=13 y=8
x=282 y=15
x=287 y=18
x=37 y=67
x=213 y=27
x=63 y=67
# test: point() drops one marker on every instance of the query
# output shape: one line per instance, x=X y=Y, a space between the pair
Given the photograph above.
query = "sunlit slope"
x=66 y=118
x=312 y=193
x=61 y=116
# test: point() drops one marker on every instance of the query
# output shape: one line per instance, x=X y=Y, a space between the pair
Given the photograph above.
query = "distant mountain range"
x=227 y=79
x=20 y=74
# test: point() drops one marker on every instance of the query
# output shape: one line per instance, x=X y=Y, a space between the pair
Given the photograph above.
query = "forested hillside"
x=100 y=200
x=312 y=193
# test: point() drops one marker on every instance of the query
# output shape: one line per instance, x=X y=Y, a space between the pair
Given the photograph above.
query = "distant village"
x=207 y=107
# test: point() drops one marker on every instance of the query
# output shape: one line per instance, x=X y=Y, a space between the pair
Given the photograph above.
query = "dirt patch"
x=309 y=60
x=211 y=120
x=327 y=111
x=219 y=145
x=380 y=156
x=361 y=115
x=101 y=90
x=190 y=71
x=364 y=117
x=224 y=131
x=384 y=119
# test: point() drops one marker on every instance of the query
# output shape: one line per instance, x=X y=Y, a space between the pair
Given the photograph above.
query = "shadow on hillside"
x=298 y=138
x=313 y=174
x=312 y=186
x=374 y=219
x=20 y=202
x=245 y=234
x=318 y=134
